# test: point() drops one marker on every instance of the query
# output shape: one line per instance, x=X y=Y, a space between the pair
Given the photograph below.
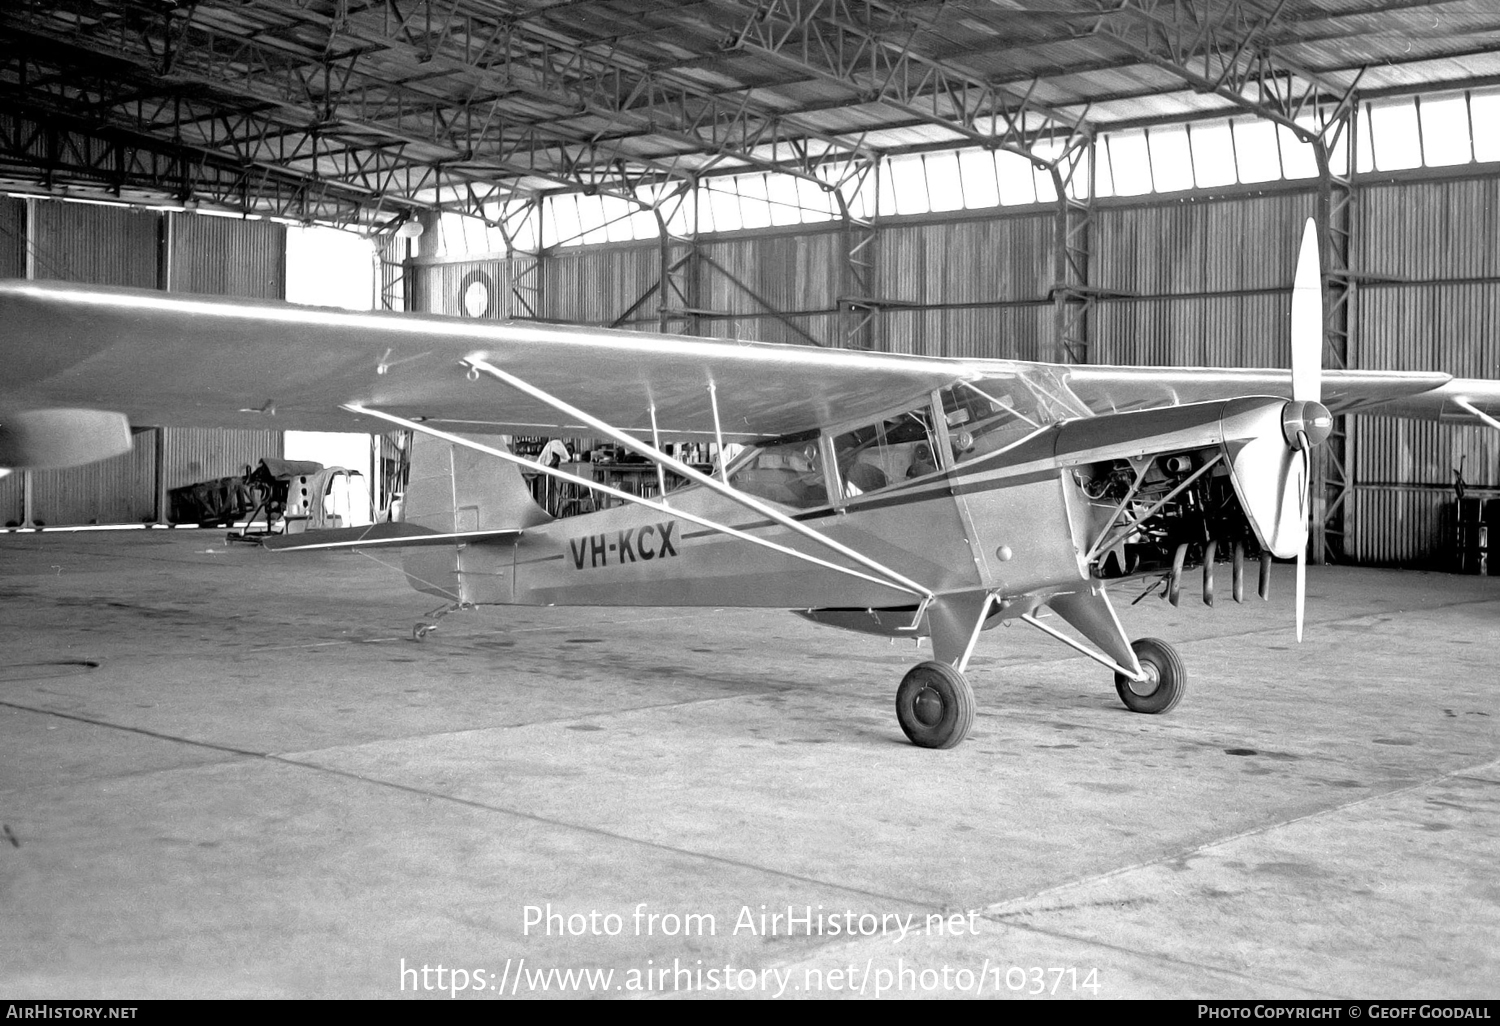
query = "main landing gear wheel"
x=935 y=705
x=1165 y=683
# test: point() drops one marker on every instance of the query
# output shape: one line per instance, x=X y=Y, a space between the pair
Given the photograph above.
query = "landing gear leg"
x=427 y=626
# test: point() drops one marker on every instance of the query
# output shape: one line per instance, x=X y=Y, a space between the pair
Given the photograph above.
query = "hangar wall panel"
x=12 y=265
x=225 y=257
x=96 y=245
x=791 y=330
x=190 y=455
x=754 y=275
x=1200 y=245
x=102 y=245
x=1000 y=258
x=1196 y=331
x=115 y=491
x=1425 y=230
x=221 y=256
x=598 y=285
x=1405 y=469
x=1020 y=332
x=439 y=288
x=12 y=237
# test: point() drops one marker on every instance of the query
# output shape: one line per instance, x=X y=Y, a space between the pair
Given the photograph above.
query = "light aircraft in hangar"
x=896 y=495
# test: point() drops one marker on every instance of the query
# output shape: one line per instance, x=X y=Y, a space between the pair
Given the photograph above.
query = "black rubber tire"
x=1168 y=683
x=935 y=705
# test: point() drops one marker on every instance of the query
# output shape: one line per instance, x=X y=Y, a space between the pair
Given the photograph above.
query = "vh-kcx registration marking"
x=654 y=541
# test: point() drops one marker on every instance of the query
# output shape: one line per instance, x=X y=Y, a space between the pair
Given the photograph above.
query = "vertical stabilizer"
x=453 y=489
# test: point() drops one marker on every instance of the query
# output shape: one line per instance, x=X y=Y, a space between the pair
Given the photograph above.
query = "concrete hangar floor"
x=228 y=773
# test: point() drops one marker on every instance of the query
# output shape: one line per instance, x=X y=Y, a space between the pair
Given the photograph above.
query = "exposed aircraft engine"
x=1176 y=511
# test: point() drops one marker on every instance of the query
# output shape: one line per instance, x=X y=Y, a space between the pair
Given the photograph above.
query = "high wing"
x=166 y=360
x=169 y=360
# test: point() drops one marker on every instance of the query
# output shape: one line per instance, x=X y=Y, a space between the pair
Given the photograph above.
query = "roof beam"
x=842 y=41
x=531 y=61
x=1227 y=49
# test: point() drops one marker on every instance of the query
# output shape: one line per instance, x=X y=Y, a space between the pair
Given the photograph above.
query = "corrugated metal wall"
x=221 y=256
x=97 y=245
x=1197 y=280
x=105 y=245
x=12 y=265
x=1430 y=300
x=117 y=491
x=224 y=257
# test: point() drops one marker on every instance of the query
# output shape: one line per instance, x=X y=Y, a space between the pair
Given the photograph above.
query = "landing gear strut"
x=1165 y=683
x=935 y=705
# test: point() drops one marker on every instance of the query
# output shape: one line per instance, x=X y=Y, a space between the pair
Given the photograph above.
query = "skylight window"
x=1396 y=135
x=1171 y=158
x=1017 y=183
x=1131 y=161
x=1484 y=122
x=945 y=190
x=1445 y=131
x=1213 y=154
x=1256 y=153
x=981 y=187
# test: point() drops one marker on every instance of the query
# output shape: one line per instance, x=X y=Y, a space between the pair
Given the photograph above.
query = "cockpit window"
x=886 y=453
x=790 y=473
x=986 y=416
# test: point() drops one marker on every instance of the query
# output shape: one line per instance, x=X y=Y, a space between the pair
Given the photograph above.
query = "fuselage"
x=1013 y=522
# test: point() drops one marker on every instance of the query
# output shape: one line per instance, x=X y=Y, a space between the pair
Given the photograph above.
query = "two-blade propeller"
x=1305 y=421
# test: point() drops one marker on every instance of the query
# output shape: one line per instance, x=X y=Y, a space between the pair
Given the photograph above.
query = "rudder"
x=454 y=489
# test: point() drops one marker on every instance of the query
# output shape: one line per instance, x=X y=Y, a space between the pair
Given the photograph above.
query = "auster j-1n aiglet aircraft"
x=895 y=495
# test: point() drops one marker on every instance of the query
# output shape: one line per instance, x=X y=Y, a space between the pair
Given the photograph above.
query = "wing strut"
x=891 y=577
x=562 y=475
x=1476 y=411
x=1103 y=545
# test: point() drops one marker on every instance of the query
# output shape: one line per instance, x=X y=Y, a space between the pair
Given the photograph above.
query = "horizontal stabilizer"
x=378 y=536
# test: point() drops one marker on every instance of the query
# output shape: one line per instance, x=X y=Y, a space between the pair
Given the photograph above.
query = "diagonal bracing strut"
x=562 y=475
x=891 y=577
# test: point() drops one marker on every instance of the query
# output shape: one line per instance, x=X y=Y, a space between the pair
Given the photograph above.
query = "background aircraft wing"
x=1116 y=389
x=1460 y=401
x=170 y=360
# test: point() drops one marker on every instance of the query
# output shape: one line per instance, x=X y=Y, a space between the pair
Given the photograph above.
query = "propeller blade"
x=1303 y=447
x=1301 y=591
x=1307 y=320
